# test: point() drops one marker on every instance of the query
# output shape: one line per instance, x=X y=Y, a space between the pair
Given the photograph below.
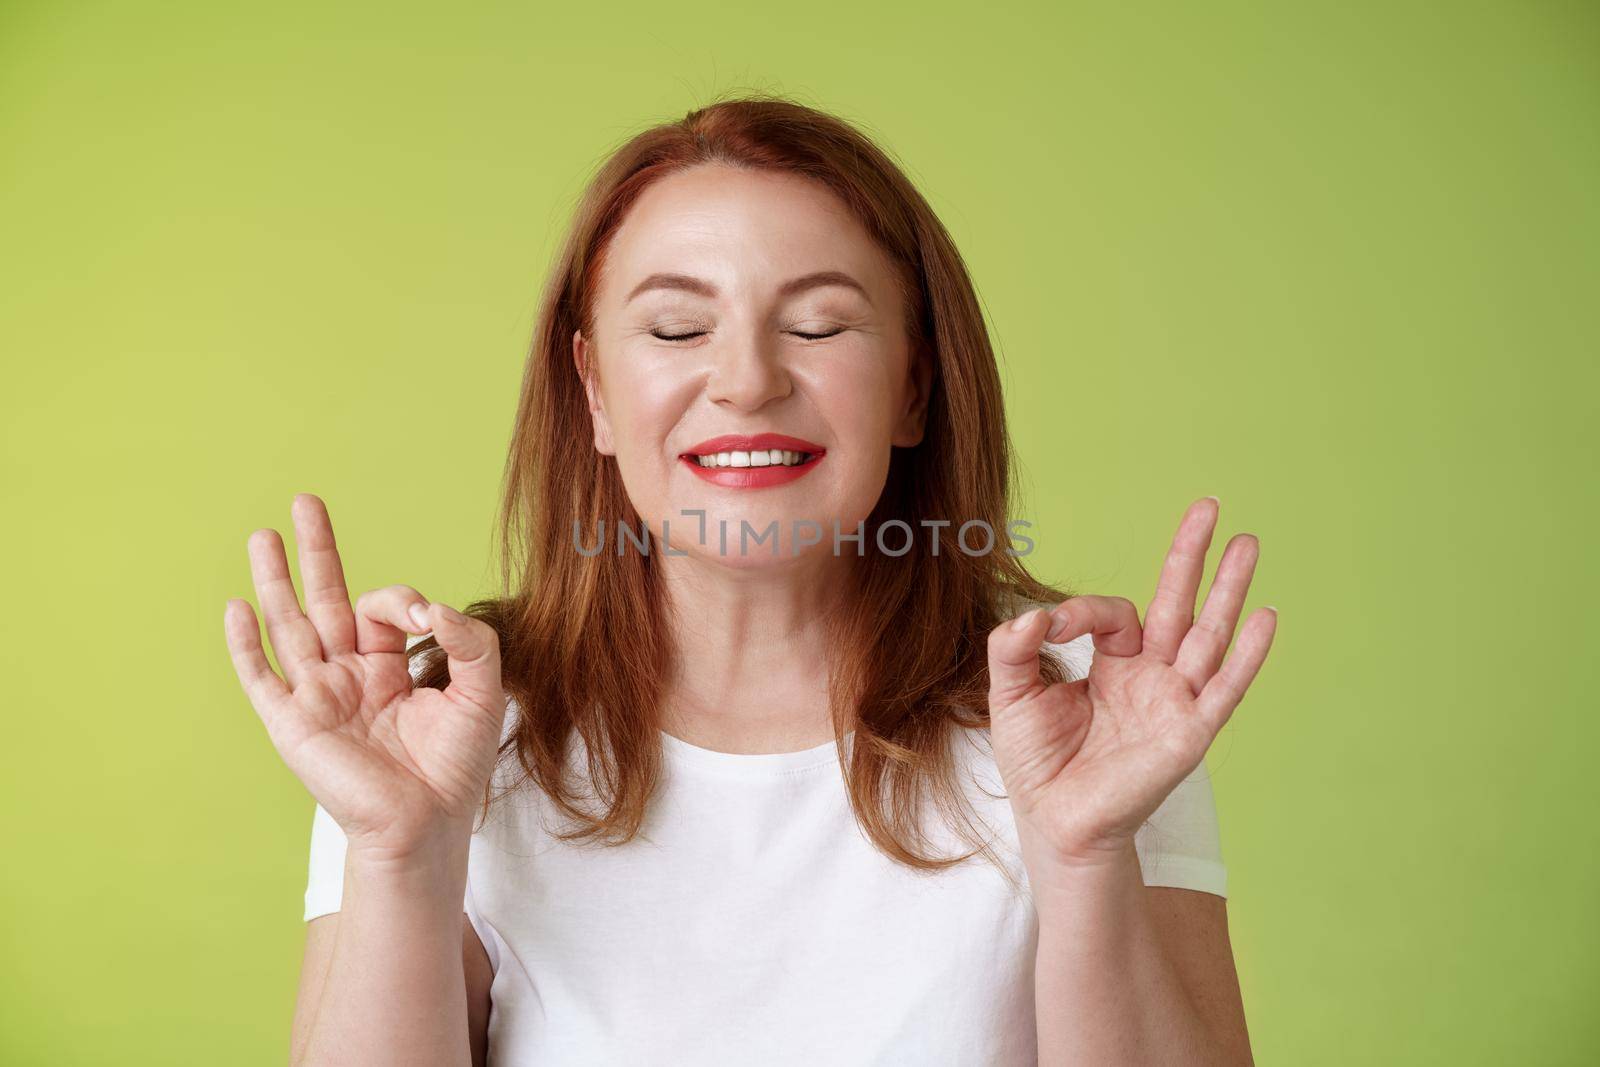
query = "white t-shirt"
x=752 y=921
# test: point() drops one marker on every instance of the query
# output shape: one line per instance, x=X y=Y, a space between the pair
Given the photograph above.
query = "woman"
x=841 y=797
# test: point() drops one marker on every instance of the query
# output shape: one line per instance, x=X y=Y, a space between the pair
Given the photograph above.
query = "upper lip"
x=742 y=442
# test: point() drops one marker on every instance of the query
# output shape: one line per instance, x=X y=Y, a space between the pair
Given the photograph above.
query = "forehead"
x=742 y=230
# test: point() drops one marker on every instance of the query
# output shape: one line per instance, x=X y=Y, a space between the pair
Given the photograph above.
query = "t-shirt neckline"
x=753 y=763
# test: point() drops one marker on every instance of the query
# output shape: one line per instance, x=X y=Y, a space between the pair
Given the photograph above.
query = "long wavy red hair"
x=584 y=641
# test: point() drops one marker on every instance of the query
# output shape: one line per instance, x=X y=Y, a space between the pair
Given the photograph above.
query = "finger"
x=1226 y=688
x=327 y=599
x=261 y=683
x=384 y=617
x=1207 y=641
x=294 y=639
x=1113 y=620
x=1171 y=611
x=1014 y=658
x=472 y=654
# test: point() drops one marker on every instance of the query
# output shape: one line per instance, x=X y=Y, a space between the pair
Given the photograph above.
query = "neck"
x=750 y=662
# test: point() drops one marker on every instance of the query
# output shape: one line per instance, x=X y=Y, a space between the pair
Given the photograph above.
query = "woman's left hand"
x=1086 y=762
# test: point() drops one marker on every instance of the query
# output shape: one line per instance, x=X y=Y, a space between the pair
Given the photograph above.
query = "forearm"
x=1105 y=992
x=395 y=992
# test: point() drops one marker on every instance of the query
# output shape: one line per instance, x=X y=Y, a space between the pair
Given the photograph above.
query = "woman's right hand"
x=399 y=768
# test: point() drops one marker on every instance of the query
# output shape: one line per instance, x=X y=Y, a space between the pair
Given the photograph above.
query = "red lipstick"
x=752 y=477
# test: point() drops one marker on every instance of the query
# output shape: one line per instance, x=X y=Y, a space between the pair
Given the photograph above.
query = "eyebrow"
x=699 y=286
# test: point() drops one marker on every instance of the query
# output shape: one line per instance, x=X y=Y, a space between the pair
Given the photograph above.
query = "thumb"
x=472 y=653
x=1014 y=658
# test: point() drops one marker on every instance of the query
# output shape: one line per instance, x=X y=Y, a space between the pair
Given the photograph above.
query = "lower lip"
x=751 y=477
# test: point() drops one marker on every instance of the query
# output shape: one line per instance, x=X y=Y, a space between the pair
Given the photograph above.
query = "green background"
x=1335 y=263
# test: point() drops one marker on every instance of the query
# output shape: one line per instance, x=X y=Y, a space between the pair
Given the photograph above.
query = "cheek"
x=643 y=404
x=857 y=399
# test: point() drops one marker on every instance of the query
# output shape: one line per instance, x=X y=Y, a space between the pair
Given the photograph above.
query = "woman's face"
x=751 y=361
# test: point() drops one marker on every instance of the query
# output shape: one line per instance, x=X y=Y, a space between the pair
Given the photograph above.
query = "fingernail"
x=1025 y=620
x=419 y=616
x=1213 y=500
x=1057 y=628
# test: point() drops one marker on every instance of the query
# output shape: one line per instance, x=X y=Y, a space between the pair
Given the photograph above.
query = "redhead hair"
x=584 y=641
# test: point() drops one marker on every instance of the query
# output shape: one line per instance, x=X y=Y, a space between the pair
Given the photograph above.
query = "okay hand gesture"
x=1086 y=762
x=395 y=766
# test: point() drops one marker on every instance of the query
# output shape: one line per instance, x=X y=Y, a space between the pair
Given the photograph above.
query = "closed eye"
x=692 y=334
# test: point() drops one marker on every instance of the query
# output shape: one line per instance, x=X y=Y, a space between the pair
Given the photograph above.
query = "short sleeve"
x=1180 y=845
x=325 y=884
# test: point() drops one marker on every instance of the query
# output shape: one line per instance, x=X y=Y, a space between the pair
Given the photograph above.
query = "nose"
x=748 y=374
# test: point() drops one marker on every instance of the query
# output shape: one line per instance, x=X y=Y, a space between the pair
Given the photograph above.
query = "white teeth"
x=772 y=457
